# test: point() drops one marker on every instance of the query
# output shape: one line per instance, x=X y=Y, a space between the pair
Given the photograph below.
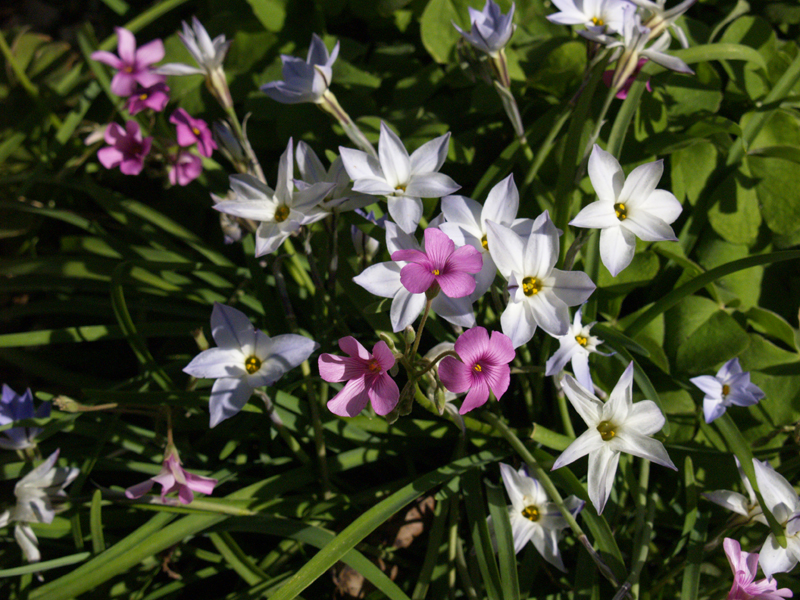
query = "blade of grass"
x=507 y=558
x=96 y=523
x=481 y=540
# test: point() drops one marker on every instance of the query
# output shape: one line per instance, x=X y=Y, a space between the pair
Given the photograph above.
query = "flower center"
x=478 y=368
x=485 y=243
x=531 y=286
x=531 y=513
x=195 y=131
x=621 y=211
x=607 y=430
x=582 y=340
x=128 y=69
x=142 y=96
x=373 y=366
x=435 y=271
x=598 y=21
x=252 y=364
x=281 y=213
x=726 y=389
x=400 y=188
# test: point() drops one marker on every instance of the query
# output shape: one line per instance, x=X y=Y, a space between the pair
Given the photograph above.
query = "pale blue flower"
x=304 y=80
x=491 y=29
x=729 y=387
x=16 y=407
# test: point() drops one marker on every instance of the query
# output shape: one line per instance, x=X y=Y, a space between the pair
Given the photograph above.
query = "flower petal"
x=571 y=287
x=394 y=159
x=518 y=323
x=642 y=446
x=583 y=401
x=477 y=396
x=382 y=279
x=502 y=203
x=606 y=175
x=597 y=215
x=455 y=375
x=405 y=309
x=617 y=247
x=431 y=185
x=640 y=183
x=406 y=211
x=231 y=329
x=661 y=204
x=228 y=396
x=384 y=394
x=602 y=468
x=774 y=487
x=351 y=400
x=648 y=227
x=774 y=559
x=645 y=417
x=217 y=362
x=430 y=156
x=507 y=250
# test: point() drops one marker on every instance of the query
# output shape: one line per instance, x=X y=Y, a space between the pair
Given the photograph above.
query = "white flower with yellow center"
x=539 y=294
x=244 y=359
x=533 y=517
x=615 y=426
x=280 y=211
x=626 y=208
x=576 y=347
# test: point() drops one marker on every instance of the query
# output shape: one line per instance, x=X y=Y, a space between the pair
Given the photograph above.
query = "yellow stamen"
x=435 y=271
x=621 y=211
x=531 y=513
x=252 y=364
x=373 y=366
x=484 y=243
x=281 y=213
x=400 y=188
x=195 y=131
x=581 y=340
x=598 y=21
x=142 y=96
x=726 y=389
x=606 y=429
x=531 y=286
x=478 y=368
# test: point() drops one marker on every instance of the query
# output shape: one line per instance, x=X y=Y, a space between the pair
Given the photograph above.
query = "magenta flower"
x=127 y=148
x=367 y=378
x=484 y=367
x=133 y=66
x=608 y=77
x=185 y=168
x=154 y=97
x=745 y=566
x=192 y=131
x=452 y=270
x=173 y=477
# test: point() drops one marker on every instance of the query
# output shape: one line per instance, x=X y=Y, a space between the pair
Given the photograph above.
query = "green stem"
x=541 y=475
x=427 y=310
x=545 y=147
x=19 y=72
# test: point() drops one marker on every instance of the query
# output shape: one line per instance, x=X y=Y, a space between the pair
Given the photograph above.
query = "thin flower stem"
x=319 y=432
x=418 y=374
x=331 y=105
x=463 y=573
x=427 y=310
x=302 y=273
x=563 y=410
x=551 y=490
x=544 y=148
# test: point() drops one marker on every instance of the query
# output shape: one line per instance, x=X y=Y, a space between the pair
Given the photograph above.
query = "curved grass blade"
x=481 y=540
x=507 y=558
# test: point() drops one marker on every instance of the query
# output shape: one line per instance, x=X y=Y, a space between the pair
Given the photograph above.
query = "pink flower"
x=608 y=77
x=484 y=367
x=440 y=264
x=174 y=477
x=745 y=566
x=127 y=149
x=185 y=168
x=154 y=97
x=133 y=66
x=192 y=131
x=367 y=378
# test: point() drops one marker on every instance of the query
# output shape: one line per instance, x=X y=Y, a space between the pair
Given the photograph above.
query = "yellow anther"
x=598 y=21
x=726 y=389
x=485 y=243
x=142 y=96
x=478 y=368
x=582 y=340
x=531 y=512
x=195 y=131
x=531 y=286
x=281 y=213
x=606 y=429
x=252 y=364
x=435 y=271
x=621 y=211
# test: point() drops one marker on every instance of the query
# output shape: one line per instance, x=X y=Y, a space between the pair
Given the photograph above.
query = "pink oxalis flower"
x=154 y=97
x=367 y=378
x=745 y=566
x=440 y=265
x=185 y=168
x=484 y=367
x=191 y=130
x=132 y=65
x=173 y=477
x=126 y=150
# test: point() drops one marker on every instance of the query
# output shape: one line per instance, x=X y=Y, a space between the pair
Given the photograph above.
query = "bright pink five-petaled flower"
x=133 y=66
x=367 y=378
x=484 y=367
x=173 y=477
x=453 y=270
x=127 y=148
x=745 y=566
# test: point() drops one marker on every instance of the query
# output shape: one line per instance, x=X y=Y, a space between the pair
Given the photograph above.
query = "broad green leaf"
x=752 y=32
x=715 y=341
x=689 y=96
x=691 y=169
x=772 y=324
x=740 y=289
x=734 y=213
x=682 y=320
x=270 y=13
x=641 y=271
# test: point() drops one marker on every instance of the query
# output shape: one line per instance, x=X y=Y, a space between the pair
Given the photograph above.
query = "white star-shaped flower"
x=341 y=197
x=576 y=346
x=280 y=211
x=539 y=294
x=600 y=15
x=783 y=502
x=747 y=506
x=383 y=279
x=627 y=208
x=729 y=387
x=615 y=426
x=33 y=493
x=533 y=517
x=660 y=18
x=465 y=223
x=244 y=359
x=403 y=179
